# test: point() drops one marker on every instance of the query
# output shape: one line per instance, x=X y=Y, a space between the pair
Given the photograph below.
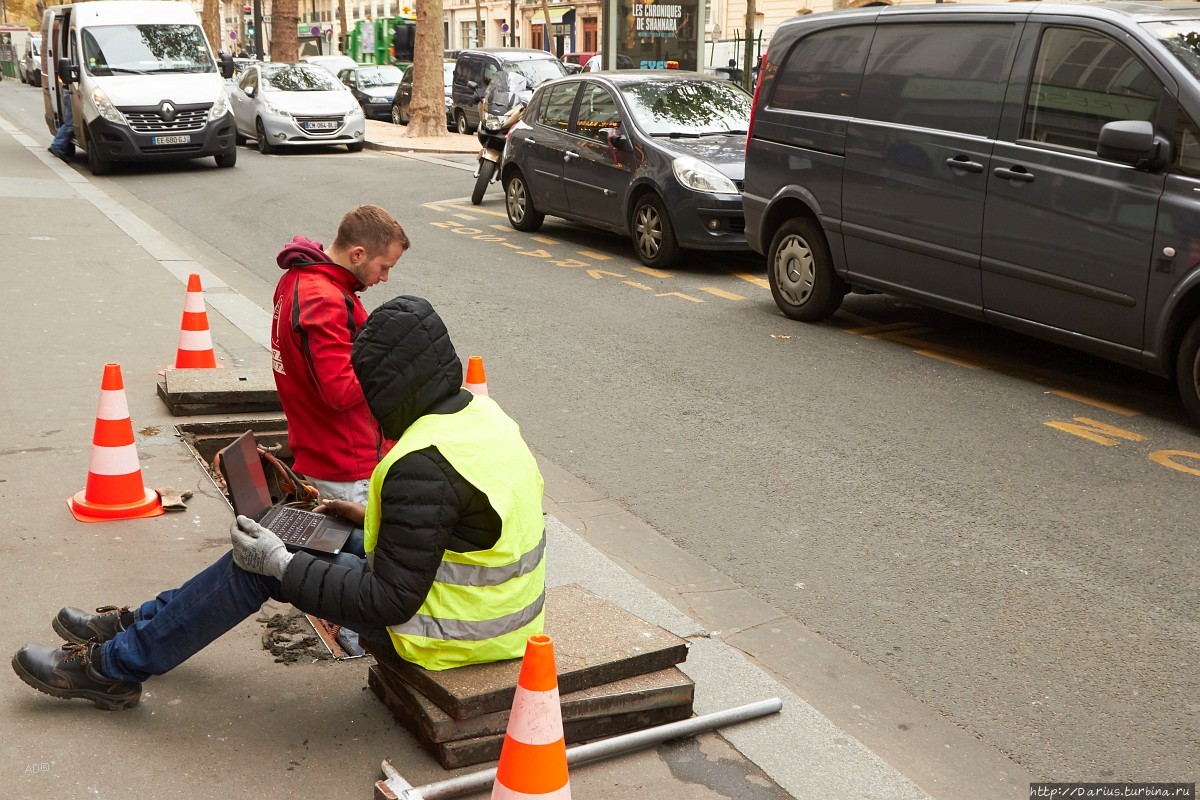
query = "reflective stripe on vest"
x=505 y=584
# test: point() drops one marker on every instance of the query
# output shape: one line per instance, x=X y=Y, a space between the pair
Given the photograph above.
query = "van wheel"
x=521 y=213
x=264 y=144
x=800 y=270
x=98 y=164
x=226 y=159
x=460 y=121
x=653 y=234
x=1187 y=371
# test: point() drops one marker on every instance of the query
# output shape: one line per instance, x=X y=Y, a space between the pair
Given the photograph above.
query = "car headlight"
x=221 y=107
x=106 y=108
x=698 y=176
x=274 y=109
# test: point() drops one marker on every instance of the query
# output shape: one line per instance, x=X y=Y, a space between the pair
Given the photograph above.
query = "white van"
x=143 y=82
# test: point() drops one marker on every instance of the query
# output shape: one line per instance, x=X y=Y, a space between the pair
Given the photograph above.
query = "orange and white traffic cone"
x=533 y=760
x=195 y=342
x=114 y=482
x=476 y=379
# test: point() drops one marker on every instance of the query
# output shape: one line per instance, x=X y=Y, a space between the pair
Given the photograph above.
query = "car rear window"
x=823 y=72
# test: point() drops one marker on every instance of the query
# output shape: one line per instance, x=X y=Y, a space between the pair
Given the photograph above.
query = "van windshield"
x=1182 y=38
x=145 y=49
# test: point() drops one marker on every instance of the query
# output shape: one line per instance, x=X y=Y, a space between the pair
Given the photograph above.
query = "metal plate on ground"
x=218 y=391
x=595 y=642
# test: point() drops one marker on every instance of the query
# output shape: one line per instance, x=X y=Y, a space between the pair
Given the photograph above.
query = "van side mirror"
x=69 y=73
x=1133 y=142
x=472 y=85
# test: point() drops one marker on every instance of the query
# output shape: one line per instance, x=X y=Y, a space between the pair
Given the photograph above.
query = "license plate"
x=320 y=126
x=172 y=139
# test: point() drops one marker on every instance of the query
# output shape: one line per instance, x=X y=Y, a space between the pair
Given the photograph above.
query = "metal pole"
x=586 y=753
x=512 y=23
x=258 y=31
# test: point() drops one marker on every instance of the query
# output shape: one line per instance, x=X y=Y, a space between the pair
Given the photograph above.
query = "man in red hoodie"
x=334 y=439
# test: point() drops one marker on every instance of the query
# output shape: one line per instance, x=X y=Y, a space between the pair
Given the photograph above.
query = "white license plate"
x=320 y=126
x=172 y=139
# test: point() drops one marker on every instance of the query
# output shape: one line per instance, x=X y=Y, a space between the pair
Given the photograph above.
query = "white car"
x=334 y=64
x=281 y=105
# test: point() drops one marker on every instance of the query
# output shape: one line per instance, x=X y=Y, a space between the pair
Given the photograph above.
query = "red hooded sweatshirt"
x=331 y=432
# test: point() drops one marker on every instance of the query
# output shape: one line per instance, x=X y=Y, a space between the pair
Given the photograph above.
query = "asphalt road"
x=1002 y=527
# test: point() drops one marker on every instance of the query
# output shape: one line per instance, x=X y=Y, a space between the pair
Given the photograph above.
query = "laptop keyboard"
x=292 y=525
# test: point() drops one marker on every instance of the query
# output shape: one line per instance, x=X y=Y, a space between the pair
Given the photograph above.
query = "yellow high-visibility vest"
x=483 y=604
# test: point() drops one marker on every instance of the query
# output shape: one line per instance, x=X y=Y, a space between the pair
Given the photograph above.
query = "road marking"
x=958 y=362
x=1091 y=401
x=505 y=228
x=677 y=294
x=475 y=210
x=1098 y=432
x=901 y=336
x=890 y=326
x=597 y=256
x=752 y=279
x=653 y=273
x=536 y=253
x=598 y=273
x=723 y=293
x=1167 y=459
x=465 y=216
x=544 y=240
x=637 y=285
x=513 y=246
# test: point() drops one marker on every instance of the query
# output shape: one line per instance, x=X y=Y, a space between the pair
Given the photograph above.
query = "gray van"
x=1032 y=165
x=474 y=69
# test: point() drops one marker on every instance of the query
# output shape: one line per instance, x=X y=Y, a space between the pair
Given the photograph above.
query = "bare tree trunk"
x=478 y=25
x=343 y=28
x=547 y=35
x=428 y=101
x=285 y=38
x=210 y=20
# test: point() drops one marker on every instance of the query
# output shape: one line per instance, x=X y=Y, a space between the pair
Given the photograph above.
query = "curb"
x=403 y=148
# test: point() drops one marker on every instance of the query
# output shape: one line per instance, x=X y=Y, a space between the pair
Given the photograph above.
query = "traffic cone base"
x=476 y=381
x=533 y=760
x=195 y=350
x=114 y=483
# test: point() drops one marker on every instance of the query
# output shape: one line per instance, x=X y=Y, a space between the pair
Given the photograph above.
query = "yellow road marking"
x=465 y=216
x=904 y=336
x=1166 y=458
x=723 y=293
x=854 y=318
x=949 y=359
x=1091 y=401
x=513 y=246
x=544 y=239
x=891 y=326
x=597 y=256
x=475 y=210
x=752 y=279
x=678 y=294
x=653 y=273
x=597 y=273
x=637 y=285
x=1098 y=432
x=505 y=228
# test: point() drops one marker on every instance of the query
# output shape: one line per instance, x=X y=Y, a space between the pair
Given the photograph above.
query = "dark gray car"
x=655 y=155
x=1036 y=166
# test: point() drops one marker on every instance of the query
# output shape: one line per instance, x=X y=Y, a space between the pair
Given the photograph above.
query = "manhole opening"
x=205 y=439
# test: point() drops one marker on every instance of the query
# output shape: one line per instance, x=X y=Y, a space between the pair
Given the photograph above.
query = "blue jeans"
x=62 y=139
x=179 y=623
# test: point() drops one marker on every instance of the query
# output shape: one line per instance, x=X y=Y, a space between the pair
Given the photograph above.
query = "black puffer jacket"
x=408 y=368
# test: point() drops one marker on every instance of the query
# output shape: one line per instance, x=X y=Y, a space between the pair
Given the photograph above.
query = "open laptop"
x=299 y=529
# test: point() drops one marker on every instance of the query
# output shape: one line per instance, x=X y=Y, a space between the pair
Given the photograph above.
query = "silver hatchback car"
x=281 y=105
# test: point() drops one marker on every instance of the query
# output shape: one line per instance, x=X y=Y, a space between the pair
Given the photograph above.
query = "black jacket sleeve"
x=426 y=507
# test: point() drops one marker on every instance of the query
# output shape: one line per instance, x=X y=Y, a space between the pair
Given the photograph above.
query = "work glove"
x=257 y=549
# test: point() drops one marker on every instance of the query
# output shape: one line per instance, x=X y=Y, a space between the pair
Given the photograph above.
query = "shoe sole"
x=102 y=701
x=66 y=635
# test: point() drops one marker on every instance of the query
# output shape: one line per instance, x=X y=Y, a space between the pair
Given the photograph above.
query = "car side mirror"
x=69 y=73
x=472 y=85
x=251 y=91
x=615 y=139
x=1133 y=142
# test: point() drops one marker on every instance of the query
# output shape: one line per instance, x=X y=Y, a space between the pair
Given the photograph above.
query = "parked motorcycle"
x=502 y=107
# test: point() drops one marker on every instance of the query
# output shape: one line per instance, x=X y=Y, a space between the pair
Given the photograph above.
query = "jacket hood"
x=301 y=251
x=405 y=363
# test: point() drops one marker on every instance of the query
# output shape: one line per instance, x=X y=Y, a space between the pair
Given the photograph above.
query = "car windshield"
x=536 y=70
x=380 y=76
x=145 y=49
x=299 y=78
x=688 y=107
x=1182 y=38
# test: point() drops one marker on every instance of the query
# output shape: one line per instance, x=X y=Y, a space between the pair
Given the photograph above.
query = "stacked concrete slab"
x=616 y=673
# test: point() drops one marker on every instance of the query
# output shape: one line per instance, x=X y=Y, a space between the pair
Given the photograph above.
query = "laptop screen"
x=245 y=478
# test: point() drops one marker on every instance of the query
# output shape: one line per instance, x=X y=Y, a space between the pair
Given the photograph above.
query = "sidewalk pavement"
x=88 y=281
x=386 y=136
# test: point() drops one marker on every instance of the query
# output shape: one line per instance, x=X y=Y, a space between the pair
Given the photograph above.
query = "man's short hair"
x=371 y=228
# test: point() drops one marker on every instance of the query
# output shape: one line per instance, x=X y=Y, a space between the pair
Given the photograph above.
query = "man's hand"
x=346 y=509
x=257 y=549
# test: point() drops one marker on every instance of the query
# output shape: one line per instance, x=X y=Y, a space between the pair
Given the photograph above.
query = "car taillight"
x=762 y=67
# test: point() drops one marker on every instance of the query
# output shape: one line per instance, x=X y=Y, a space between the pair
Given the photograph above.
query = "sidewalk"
x=386 y=136
x=231 y=722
